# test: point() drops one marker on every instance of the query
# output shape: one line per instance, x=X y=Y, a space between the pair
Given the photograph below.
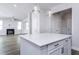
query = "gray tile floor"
x=9 y=45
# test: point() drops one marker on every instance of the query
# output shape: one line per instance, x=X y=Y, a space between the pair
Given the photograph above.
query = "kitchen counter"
x=44 y=38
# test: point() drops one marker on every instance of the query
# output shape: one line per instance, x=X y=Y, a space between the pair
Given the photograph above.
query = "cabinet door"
x=62 y=50
x=66 y=49
x=67 y=46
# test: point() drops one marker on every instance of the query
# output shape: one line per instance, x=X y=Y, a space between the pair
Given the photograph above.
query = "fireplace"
x=10 y=31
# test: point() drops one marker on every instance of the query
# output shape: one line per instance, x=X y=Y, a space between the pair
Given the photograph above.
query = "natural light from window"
x=27 y=26
x=1 y=24
x=19 y=26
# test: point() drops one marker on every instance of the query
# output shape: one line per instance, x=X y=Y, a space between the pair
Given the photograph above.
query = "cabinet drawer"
x=56 y=51
x=55 y=45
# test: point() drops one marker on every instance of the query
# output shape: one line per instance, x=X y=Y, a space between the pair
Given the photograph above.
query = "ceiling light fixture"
x=50 y=12
x=36 y=8
x=14 y=5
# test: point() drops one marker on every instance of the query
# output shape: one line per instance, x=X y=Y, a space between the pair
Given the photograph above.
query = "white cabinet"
x=56 y=52
x=28 y=48
x=62 y=47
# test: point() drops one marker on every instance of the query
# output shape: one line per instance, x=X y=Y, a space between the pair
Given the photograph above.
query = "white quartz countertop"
x=44 y=38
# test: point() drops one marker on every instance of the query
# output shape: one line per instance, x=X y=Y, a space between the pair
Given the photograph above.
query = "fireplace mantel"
x=10 y=31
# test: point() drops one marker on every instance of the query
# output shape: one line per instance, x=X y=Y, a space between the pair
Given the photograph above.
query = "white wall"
x=44 y=22
x=24 y=30
x=75 y=26
x=10 y=23
x=35 y=22
x=40 y=22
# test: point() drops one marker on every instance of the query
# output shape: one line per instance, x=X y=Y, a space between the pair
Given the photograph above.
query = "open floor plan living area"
x=39 y=29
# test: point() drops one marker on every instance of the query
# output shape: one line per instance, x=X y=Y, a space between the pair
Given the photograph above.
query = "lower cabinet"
x=57 y=51
x=58 y=48
x=67 y=47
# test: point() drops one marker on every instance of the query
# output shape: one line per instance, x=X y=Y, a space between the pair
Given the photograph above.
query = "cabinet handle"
x=56 y=45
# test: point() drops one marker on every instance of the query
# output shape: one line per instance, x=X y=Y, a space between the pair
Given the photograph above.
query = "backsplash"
x=62 y=22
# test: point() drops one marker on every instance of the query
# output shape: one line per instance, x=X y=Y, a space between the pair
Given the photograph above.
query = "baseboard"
x=75 y=48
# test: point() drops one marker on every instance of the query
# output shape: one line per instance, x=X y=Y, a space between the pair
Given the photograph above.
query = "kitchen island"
x=45 y=44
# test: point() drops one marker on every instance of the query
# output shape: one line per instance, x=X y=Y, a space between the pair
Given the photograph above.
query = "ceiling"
x=21 y=10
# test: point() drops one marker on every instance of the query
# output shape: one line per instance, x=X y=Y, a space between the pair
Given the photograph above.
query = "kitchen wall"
x=75 y=26
x=62 y=22
x=44 y=22
x=40 y=22
x=56 y=23
x=66 y=25
x=75 y=21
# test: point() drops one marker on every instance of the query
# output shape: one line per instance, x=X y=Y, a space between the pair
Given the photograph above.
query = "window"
x=1 y=24
x=19 y=26
x=27 y=26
